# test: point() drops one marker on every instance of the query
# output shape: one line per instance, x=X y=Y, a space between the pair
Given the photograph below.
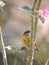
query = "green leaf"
x=25 y=8
x=41 y=18
x=22 y=48
x=28 y=10
x=14 y=49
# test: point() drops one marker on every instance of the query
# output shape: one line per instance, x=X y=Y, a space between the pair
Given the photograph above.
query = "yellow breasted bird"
x=26 y=39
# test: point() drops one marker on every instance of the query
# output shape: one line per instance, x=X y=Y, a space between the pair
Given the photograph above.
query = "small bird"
x=26 y=39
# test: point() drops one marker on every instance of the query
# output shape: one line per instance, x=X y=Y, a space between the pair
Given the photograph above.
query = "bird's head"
x=26 y=33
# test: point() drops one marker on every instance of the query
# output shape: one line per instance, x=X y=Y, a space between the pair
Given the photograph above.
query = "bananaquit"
x=26 y=39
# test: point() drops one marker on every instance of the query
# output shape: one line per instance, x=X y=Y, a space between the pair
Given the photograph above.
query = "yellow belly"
x=26 y=41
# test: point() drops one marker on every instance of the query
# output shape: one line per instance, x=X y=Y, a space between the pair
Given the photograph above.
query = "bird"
x=26 y=39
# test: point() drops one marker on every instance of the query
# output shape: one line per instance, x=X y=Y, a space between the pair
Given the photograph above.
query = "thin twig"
x=3 y=49
x=30 y=53
x=34 y=31
x=34 y=21
x=15 y=60
x=47 y=62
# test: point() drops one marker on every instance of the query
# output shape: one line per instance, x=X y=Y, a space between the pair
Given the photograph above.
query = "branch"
x=34 y=21
x=15 y=60
x=47 y=62
x=3 y=49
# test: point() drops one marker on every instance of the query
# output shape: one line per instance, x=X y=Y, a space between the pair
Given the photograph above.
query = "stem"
x=34 y=27
x=30 y=53
x=47 y=62
x=34 y=21
x=3 y=49
x=15 y=60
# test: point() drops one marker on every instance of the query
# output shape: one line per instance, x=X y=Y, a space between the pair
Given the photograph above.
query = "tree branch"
x=3 y=49
x=34 y=21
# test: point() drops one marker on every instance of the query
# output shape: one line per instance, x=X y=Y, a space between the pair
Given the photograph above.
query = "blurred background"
x=20 y=21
